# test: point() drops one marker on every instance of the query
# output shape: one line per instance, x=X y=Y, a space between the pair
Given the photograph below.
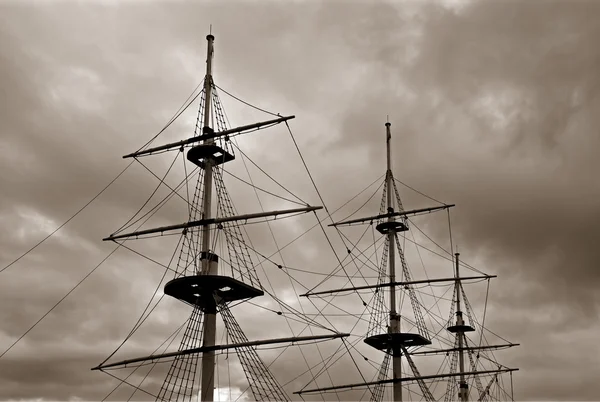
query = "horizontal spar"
x=393 y=214
x=390 y=284
x=212 y=221
x=208 y=136
x=221 y=347
x=404 y=379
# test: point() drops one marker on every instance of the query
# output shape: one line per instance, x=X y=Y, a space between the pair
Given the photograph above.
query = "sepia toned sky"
x=493 y=104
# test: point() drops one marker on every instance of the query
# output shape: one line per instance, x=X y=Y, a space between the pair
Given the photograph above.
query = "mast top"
x=388 y=137
x=210 y=37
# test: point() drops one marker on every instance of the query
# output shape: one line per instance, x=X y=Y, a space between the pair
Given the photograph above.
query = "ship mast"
x=394 y=316
x=197 y=281
x=393 y=342
x=463 y=387
x=209 y=265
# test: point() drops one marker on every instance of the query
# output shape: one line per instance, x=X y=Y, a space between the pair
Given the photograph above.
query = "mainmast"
x=209 y=261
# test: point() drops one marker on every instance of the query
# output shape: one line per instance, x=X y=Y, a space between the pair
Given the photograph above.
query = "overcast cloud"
x=493 y=104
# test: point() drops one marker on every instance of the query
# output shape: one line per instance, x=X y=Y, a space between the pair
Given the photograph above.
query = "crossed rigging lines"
x=175 y=192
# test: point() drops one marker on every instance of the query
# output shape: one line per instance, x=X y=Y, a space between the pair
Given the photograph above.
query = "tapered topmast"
x=209 y=265
x=459 y=329
x=206 y=213
x=394 y=316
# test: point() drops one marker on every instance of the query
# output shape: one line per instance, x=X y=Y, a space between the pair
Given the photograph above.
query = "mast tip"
x=388 y=124
x=210 y=37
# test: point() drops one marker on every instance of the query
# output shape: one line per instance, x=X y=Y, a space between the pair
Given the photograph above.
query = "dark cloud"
x=493 y=107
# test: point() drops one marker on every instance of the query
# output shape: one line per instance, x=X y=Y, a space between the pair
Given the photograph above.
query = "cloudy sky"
x=493 y=104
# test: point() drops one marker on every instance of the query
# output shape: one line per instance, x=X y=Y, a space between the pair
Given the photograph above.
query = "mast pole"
x=209 y=263
x=394 y=317
x=463 y=390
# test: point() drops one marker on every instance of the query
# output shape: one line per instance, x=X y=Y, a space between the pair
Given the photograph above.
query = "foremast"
x=209 y=261
x=197 y=281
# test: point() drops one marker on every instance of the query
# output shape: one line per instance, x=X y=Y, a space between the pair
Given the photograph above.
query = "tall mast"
x=394 y=317
x=463 y=390
x=199 y=284
x=208 y=176
x=209 y=264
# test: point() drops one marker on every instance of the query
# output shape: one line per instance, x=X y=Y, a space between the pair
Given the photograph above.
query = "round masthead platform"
x=204 y=290
x=392 y=342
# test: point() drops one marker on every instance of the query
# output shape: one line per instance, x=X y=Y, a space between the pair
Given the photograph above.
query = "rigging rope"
x=175 y=116
x=418 y=192
x=161 y=181
x=324 y=206
x=60 y=301
x=68 y=220
x=266 y=174
x=446 y=251
x=172 y=337
x=246 y=103
x=128 y=383
x=263 y=190
x=141 y=320
x=487 y=292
